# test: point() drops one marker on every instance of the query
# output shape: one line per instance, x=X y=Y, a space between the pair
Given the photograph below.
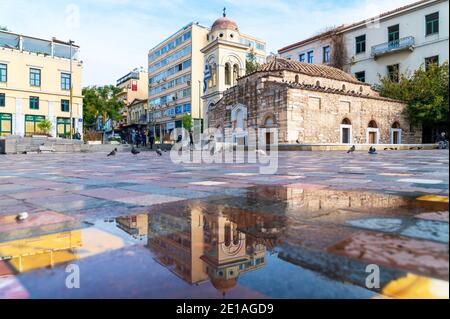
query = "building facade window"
x=302 y=57
x=35 y=77
x=2 y=99
x=394 y=33
x=63 y=127
x=31 y=124
x=3 y=72
x=360 y=44
x=311 y=57
x=432 y=23
x=326 y=54
x=431 y=60
x=393 y=72
x=65 y=105
x=361 y=76
x=65 y=81
x=5 y=124
x=34 y=103
x=227 y=74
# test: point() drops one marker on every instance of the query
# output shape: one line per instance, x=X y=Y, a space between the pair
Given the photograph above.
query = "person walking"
x=133 y=137
x=151 y=138
x=144 y=138
x=191 y=140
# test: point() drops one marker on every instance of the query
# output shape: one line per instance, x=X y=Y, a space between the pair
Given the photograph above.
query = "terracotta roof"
x=314 y=70
x=224 y=23
x=348 y=26
x=310 y=87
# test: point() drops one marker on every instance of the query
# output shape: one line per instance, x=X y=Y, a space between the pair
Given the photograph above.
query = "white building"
x=398 y=41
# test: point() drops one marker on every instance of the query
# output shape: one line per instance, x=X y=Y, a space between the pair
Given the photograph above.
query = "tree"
x=187 y=121
x=250 y=64
x=425 y=91
x=4 y=28
x=101 y=103
x=45 y=126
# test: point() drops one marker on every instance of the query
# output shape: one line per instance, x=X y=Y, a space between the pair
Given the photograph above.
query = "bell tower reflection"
x=200 y=243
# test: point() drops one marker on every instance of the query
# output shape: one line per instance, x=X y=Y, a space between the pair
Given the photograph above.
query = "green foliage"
x=101 y=103
x=250 y=63
x=45 y=126
x=425 y=91
x=187 y=121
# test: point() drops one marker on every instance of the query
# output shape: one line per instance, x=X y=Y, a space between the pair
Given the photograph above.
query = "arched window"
x=235 y=73
x=373 y=124
x=214 y=75
x=210 y=81
x=227 y=235
x=227 y=74
x=239 y=119
x=396 y=125
x=297 y=79
x=344 y=87
x=346 y=131
x=346 y=121
x=317 y=83
x=269 y=121
x=361 y=89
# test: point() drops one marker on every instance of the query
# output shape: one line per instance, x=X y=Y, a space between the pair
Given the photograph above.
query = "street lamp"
x=71 y=91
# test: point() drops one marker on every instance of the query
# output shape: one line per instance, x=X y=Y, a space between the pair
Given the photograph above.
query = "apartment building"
x=35 y=81
x=134 y=86
x=398 y=41
x=176 y=74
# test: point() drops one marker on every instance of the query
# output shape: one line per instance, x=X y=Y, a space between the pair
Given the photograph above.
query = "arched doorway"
x=269 y=123
x=396 y=133
x=372 y=135
x=346 y=131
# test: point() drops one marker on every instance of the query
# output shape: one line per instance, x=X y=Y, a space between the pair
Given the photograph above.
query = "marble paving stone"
x=9 y=223
x=420 y=181
x=437 y=216
x=419 y=256
x=425 y=229
x=149 y=199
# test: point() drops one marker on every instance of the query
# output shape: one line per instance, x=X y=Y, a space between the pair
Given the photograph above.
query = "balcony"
x=393 y=46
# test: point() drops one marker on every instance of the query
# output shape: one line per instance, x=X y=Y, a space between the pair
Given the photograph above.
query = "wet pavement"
x=144 y=227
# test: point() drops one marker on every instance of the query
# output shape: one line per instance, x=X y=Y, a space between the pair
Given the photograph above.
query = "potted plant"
x=45 y=127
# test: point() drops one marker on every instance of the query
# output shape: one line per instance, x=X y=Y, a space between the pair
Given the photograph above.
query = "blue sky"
x=115 y=35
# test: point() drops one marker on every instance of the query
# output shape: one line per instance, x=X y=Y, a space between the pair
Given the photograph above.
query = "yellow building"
x=176 y=72
x=35 y=84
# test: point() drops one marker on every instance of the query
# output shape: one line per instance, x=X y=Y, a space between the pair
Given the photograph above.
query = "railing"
x=387 y=47
x=40 y=46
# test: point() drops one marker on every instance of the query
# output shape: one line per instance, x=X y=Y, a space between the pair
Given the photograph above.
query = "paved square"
x=144 y=227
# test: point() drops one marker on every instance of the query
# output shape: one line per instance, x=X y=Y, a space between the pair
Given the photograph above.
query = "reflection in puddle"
x=267 y=243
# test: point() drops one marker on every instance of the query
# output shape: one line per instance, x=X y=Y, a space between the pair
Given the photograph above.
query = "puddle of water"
x=271 y=242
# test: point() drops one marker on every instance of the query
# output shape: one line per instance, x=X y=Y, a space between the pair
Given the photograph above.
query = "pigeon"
x=419 y=148
x=158 y=151
x=134 y=151
x=261 y=152
x=297 y=141
x=351 y=149
x=372 y=150
x=113 y=152
x=385 y=148
x=22 y=216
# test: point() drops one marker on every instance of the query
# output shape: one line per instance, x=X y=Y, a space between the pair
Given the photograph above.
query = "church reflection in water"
x=218 y=240
x=199 y=242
